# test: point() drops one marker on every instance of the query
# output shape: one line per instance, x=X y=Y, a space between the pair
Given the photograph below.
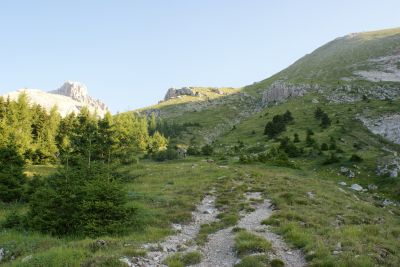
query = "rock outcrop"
x=79 y=92
x=174 y=93
x=70 y=97
x=279 y=91
x=387 y=126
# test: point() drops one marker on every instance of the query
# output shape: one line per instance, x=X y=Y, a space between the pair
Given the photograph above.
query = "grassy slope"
x=167 y=192
x=337 y=59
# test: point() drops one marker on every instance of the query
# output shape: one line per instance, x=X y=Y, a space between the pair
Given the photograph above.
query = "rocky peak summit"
x=75 y=90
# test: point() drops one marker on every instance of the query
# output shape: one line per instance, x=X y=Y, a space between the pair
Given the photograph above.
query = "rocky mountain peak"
x=75 y=90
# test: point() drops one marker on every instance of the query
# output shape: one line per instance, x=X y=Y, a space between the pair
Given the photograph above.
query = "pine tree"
x=152 y=124
x=84 y=136
x=157 y=143
x=318 y=113
x=12 y=175
x=325 y=121
x=106 y=137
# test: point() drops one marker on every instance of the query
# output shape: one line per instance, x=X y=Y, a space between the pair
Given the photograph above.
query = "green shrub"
x=193 y=151
x=207 y=150
x=169 y=154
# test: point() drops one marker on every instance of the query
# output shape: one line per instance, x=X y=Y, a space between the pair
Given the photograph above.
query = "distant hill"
x=345 y=70
x=70 y=97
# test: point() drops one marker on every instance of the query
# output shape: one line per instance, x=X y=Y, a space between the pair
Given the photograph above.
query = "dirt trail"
x=252 y=223
x=182 y=241
x=219 y=250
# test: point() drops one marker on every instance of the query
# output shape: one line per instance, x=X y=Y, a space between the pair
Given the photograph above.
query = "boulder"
x=356 y=187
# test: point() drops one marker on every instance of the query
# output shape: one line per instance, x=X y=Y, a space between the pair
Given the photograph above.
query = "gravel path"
x=205 y=213
x=252 y=223
x=219 y=250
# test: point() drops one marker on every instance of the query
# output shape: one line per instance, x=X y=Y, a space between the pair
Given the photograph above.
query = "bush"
x=80 y=201
x=207 y=150
x=169 y=154
x=193 y=151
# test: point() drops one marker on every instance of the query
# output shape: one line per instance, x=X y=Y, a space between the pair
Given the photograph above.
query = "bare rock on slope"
x=387 y=126
x=173 y=93
x=280 y=91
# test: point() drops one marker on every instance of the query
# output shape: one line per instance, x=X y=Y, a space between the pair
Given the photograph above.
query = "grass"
x=248 y=243
x=253 y=261
x=183 y=259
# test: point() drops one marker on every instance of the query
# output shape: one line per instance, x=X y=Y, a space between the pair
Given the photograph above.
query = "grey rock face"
x=387 y=126
x=349 y=94
x=78 y=91
x=173 y=92
x=280 y=91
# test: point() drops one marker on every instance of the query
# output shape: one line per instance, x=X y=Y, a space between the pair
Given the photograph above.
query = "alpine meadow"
x=299 y=169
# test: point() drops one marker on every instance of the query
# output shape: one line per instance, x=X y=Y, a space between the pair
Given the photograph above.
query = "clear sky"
x=130 y=52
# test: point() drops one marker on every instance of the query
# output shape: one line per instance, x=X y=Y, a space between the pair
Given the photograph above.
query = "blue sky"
x=129 y=53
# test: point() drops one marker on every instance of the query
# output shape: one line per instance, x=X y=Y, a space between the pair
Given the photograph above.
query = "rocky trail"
x=219 y=249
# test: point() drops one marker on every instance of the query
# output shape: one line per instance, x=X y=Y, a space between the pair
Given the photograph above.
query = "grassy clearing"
x=162 y=193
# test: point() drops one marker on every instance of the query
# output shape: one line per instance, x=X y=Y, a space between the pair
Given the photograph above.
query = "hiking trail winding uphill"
x=219 y=249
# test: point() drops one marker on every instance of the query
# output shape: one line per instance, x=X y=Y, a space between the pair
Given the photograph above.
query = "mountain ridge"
x=70 y=97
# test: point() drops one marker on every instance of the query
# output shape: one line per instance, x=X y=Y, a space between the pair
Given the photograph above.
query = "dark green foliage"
x=309 y=140
x=318 y=113
x=296 y=138
x=168 y=154
x=332 y=144
x=287 y=117
x=207 y=150
x=356 y=158
x=278 y=124
x=80 y=201
x=333 y=158
x=290 y=148
x=324 y=147
x=325 y=121
x=12 y=176
x=193 y=151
